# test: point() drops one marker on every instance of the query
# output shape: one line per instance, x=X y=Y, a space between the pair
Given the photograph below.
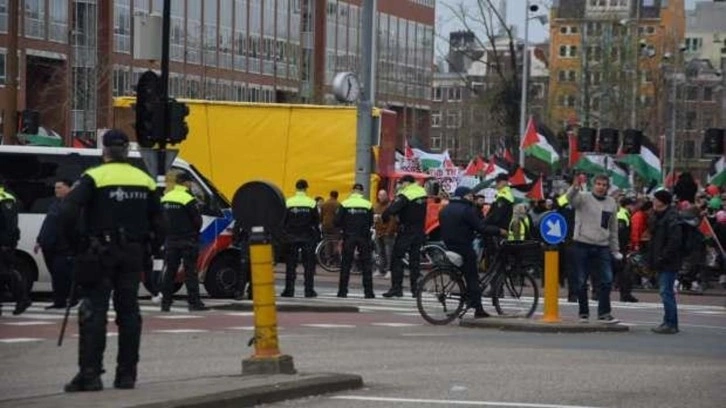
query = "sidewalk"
x=212 y=392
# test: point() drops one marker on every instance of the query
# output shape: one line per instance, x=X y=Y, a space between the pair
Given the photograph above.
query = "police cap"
x=358 y=187
x=115 y=137
x=408 y=179
x=301 y=184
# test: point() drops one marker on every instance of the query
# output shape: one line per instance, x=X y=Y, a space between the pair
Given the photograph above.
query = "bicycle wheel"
x=441 y=296
x=326 y=255
x=510 y=299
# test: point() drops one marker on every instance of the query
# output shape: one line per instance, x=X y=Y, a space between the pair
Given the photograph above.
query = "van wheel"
x=222 y=276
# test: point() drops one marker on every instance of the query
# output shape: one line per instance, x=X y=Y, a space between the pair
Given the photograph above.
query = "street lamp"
x=668 y=56
x=531 y=8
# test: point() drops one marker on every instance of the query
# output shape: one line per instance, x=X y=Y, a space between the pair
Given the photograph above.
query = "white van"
x=31 y=172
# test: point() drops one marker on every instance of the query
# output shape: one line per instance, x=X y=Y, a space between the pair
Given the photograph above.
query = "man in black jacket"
x=665 y=257
x=458 y=222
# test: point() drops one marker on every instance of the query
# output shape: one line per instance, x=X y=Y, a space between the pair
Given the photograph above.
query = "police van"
x=30 y=173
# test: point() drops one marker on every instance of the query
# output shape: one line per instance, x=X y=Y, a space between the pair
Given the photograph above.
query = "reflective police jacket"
x=119 y=203
x=500 y=214
x=410 y=207
x=301 y=218
x=355 y=217
x=182 y=220
x=9 y=232
x=623 y=228
x=519 y=229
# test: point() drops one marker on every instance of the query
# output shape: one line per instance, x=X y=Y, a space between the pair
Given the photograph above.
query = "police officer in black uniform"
x=120 y=211
x=355 y=218
x=303 y=231
x=410 y=207
x=9 y=236
x=182 y=221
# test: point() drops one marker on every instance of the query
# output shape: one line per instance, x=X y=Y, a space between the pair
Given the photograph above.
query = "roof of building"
x=707 y=17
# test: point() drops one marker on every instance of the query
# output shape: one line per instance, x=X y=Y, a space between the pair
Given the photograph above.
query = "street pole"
x=165 y=34
x=635 y=78
x=525 y=75
x=367 y=97
x=674 y=84
x=10 y=115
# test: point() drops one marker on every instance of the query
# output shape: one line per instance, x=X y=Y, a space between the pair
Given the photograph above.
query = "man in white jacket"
x=596 y=243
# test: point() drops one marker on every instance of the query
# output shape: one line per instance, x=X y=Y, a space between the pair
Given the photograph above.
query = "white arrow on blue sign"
x=553 y=228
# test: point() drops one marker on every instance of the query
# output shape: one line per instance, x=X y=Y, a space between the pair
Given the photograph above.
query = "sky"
x=446 y=21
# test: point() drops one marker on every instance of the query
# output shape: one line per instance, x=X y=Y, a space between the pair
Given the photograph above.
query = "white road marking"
x=19 y=340
x=330 y=326
x=427 y=334
x=178 y=317
x=456 y=402
x=180 y=331
x=240 y=313
x=396 y=324
x=108 y=334
x=245 y=328
x=28 y=323
x=36 y=316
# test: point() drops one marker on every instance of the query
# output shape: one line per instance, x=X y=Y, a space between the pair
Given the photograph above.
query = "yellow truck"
x=233 y=143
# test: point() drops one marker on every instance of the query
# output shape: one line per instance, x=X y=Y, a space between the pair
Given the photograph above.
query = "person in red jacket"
x=639 y=225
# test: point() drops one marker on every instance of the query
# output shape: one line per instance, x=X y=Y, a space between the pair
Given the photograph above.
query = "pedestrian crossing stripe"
x=181 y=331
x=329 y=326
x=178 y=317
x=19 y=340
x=28 y=323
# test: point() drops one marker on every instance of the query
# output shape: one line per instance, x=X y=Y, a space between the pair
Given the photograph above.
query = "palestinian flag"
x=574 y=153
x=475 y=166
x=538 y=141
x=618 y=174
x=519 y=177
x=646 y=164
x=536 y=193
x=592 y=163
x=717 y=171
x=496 y=166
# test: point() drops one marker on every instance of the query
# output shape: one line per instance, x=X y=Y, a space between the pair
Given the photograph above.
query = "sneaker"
x=198 y=307
x=157 y=299
x=664 y=329
x=628 y=298
x=287 y=293
x=84 y=382
x=311 y=294
x=608 y=319
x=370 y=295
x=378 y=274
x=342 y=295
x=387 y=275
x=584 y=319
x=480 y=313
x=393 y=293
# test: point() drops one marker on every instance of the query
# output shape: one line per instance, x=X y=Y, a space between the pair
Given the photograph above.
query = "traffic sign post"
x=553 y=229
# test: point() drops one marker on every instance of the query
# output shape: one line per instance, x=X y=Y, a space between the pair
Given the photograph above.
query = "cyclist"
x=458 y=222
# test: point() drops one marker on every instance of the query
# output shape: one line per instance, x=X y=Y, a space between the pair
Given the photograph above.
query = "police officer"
x=302 y=229
x=459 y=221
x=9 y=236
x=120 y=211
x=355 y=218
x=410 y=207
x=182 y=224
x=623 y=273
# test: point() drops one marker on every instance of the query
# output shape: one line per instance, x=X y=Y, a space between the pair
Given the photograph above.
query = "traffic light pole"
x=165 y=30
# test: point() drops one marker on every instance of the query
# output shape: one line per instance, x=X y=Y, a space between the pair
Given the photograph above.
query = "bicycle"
x=444 y=288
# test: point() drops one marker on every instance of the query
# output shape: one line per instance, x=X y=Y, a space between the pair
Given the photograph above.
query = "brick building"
x=75 y=55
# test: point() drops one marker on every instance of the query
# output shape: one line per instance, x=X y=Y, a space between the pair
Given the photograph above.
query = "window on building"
x=194 y=31
x=58 y=21
x=437 y=94
x=35 y=18
x=692 y=93
x=176 y=45
x=647 y=76
x=568 y=51
x=453 y=119
x=436 y=142
x=122 y=26
x=694 y=44
x=210 y=34
x=691 y=118
x=708 y=94
x=454 y=94
x=2 y=67
x=595 y=103
x=451 y=142
x=689 y=149
x=435 y=118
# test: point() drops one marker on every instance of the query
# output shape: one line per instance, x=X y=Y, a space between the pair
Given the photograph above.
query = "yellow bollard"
x=263 y=295
x=267 y=358
x=551 y=292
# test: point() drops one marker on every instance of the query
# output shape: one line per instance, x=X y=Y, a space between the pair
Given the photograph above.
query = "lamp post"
x=525 y=74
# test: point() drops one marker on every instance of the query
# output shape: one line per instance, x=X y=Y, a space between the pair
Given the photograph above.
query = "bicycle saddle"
x=456 y=259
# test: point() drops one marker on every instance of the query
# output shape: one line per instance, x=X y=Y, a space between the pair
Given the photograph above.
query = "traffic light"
x=29 y=122
x=713 y=142
x=149 y=110
x=632 y=139
x=586 y=139
x=609 y=140
x=178 y=128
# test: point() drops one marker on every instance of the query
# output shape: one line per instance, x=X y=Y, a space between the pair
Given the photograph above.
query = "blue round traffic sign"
x=553 y=228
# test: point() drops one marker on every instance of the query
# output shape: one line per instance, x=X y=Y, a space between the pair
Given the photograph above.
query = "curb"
x=536 y=326
x=247 y=307
x=265 y=394
x=706 y=293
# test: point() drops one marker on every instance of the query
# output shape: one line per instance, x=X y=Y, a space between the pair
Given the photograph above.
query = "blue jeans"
x=588 y=257
x=666 y=279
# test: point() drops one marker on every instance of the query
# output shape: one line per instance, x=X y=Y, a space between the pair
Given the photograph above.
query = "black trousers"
x=407 y=242
x=623 y=277
x=61 y=274
x=471 y=273
x=120 y=272
x=175 y=255
x=365 y=256
x=308 y=260
x=9 y=275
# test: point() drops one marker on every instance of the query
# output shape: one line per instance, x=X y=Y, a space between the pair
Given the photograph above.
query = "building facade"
x=75 y=55
x=461 y=119
x=606 y=62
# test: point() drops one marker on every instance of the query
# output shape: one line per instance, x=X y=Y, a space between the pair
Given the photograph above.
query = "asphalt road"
x=407 y=363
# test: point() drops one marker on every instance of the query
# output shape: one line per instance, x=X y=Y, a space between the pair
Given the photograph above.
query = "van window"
x=31 y=177
x=207 y=204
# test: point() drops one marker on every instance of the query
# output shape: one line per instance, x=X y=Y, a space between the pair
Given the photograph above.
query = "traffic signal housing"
x=632 y=140
x=586 y=139
x=149 y=110
x=609 y=140
x=29 y=122
x=178 y=128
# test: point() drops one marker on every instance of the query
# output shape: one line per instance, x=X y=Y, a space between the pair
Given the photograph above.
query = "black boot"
x=197 y=306
x=289 y=287
x=86 y=380
x=22 y=306
x=125 y=378
x=393 y=292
